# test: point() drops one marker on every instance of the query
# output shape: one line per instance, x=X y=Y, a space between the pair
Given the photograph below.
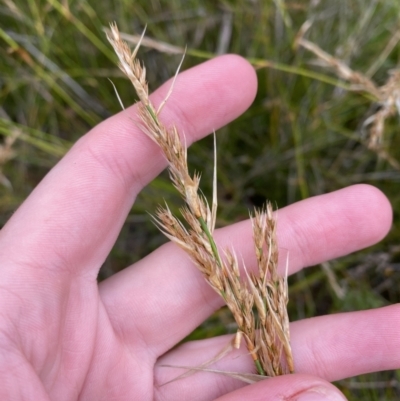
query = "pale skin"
x=64 y=337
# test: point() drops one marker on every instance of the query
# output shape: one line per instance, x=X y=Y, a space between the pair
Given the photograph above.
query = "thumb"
x=295 y=387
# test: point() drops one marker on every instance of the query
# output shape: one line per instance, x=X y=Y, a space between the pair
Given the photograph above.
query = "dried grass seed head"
x=128 y=63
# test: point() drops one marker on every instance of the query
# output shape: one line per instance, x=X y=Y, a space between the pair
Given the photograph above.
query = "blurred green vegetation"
x=302 y=136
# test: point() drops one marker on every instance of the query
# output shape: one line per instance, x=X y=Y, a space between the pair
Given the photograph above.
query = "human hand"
x=64 y=337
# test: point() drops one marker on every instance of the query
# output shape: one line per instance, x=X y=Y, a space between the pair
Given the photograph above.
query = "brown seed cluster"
x=257 y=301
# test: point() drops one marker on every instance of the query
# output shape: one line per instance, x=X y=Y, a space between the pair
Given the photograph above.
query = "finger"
x=349 y=344
x=295 y=387
x=331 y=347
x=289 y=388
x=73 y=217
x=165 y=289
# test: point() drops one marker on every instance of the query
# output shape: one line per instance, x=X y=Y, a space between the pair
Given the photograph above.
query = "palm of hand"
x=64 y=337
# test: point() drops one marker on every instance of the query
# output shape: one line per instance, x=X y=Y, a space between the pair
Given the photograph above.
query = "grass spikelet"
x=256 y=302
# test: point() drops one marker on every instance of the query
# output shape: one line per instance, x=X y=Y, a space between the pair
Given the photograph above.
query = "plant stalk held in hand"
x=258 y=302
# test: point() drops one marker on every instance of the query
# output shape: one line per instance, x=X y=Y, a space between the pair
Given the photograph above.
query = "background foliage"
x=301 y=137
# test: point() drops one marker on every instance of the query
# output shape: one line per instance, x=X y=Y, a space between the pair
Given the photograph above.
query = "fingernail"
x=320 y=394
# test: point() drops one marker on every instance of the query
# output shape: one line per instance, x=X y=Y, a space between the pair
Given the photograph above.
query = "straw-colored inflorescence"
x=258 y=303
x=386 y=96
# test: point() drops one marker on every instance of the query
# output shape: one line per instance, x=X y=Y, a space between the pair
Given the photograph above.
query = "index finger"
x=72 y=219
